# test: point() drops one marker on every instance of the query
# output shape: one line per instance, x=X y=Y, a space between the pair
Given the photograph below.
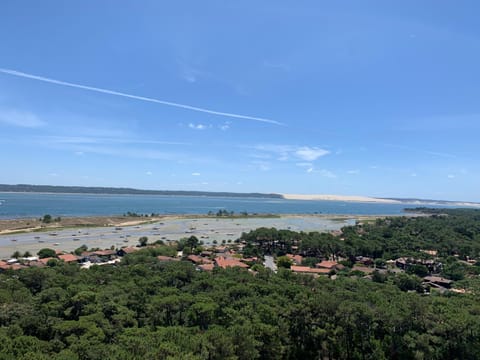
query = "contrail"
x=141 y=98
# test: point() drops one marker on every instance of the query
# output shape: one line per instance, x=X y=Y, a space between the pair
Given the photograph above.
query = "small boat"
x=76 y=239
x=13 y=240
x=125 y=240
x=56 y=244
x=41 y=241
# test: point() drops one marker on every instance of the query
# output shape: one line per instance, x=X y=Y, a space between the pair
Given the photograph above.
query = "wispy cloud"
x=196 y=174
x=136 y=97
x=225 y=126
x=286 y=152
x=353 y=172
x=20 y=118
x=428 y=152
x=310 y=153
x=198 y=126
x=102 y=140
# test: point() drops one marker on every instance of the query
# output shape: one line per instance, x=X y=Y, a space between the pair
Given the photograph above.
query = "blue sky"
x=374 y=98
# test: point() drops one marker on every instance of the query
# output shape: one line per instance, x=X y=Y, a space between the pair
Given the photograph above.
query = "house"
x=437 y=280
x=6 y=266
x=197 y=260
x=229 y=262
x=127 y=250
x=45 y=260
x=105 y=253
x=364 y=260
x=68 y=258
x=331 y=265
x=166 y=258
x=401 y=263
x=309 y=270
x=297 y=259
x=206 y=267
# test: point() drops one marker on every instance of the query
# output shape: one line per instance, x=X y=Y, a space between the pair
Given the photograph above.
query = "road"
x=270 y=263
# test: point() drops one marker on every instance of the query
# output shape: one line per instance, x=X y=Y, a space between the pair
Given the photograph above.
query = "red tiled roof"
x=206 y=267
x=166 y=258
x=68 y=258
x=45 y=260
x=104 y=252
x=12 y=267
x=327 y=264
x=309 y=270
x=224 y=263
x=129 y=250
x=297 y=259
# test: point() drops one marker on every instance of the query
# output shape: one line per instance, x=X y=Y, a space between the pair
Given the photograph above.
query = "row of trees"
x=453 y=233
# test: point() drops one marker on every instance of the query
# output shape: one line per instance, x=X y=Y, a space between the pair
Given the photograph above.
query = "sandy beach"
x=364 y=199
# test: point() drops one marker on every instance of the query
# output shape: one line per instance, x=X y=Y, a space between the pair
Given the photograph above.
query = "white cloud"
x=353 y=172
x=225 y=126
x=79 y=153
x=196 y=174
x=413 y=174
x=310 y=153
x=451 y=176
x=198 y=126
x=285 y=152
x=148 y=173
x=20 y=118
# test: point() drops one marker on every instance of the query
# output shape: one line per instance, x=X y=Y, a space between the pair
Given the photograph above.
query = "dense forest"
x=123 y=191
x=146 y=308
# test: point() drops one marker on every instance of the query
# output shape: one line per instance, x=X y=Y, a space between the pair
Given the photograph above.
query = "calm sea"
x=18 y=205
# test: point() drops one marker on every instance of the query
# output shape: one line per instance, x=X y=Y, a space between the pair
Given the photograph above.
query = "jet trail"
x=136 y=97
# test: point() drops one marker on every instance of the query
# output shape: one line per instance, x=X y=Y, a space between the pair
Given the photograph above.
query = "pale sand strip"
x=339 y=198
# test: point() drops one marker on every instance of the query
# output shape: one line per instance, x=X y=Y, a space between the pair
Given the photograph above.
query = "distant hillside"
x=124 y=191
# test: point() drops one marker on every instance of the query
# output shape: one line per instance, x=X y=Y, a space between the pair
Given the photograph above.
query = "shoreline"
x=33 y=225
x=210 y=230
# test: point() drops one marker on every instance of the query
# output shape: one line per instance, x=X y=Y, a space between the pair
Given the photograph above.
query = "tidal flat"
x=105 y=232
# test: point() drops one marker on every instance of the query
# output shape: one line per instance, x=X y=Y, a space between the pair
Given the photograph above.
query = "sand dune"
x=338 y=198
